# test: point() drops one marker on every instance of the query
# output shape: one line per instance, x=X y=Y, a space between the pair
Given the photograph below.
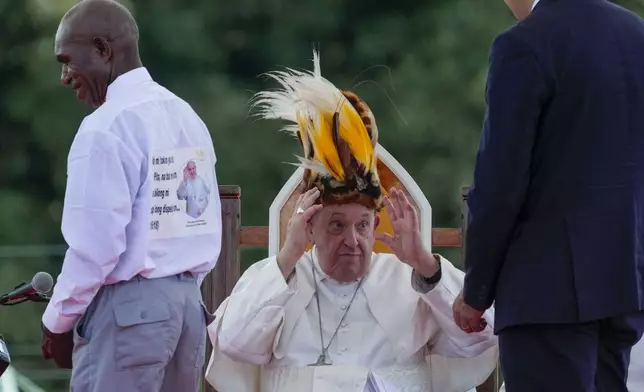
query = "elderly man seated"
x=339 y=317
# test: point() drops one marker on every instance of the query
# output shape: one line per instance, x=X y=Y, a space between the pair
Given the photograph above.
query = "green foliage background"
x=421 y=65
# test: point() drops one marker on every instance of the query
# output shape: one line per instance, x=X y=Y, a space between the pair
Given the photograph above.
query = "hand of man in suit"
x=469 y=319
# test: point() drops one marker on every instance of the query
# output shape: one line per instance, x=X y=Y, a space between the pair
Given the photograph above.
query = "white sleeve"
x=254 y=313
x=451 y=340
x=103 y=178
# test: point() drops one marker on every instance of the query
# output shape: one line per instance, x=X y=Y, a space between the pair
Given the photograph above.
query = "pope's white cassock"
x=195 y=192
x=394 y=338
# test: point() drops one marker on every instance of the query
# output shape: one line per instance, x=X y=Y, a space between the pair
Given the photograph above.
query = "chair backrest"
x=389 y=171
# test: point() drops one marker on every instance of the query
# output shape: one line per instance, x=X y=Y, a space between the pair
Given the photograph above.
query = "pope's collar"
x=124 y=82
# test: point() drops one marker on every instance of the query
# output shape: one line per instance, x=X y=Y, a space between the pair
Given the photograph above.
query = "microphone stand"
x=38 y=298
x=33 y=298
x=4 y=300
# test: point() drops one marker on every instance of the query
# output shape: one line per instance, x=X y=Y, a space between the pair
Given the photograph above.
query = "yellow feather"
x=354 y=132
x=325 y=147
x=321 y=137
x=310 y=101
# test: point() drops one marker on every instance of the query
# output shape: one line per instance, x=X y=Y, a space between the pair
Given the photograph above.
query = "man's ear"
x=103 y=48
x=309 y=233
x=376 y=221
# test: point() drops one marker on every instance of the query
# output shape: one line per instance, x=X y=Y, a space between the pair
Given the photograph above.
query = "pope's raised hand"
x=406 y=243
x=297 y=229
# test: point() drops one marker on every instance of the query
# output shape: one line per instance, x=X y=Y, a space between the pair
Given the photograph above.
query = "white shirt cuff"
x=58 y=323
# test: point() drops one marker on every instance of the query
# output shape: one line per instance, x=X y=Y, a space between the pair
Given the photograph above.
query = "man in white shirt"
x=128 y=294
x=339 y=317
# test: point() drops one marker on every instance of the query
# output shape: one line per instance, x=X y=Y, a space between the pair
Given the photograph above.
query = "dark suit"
x=556 y=224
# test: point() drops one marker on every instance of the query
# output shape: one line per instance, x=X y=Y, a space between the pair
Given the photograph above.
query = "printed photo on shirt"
x=194 y=190
x=182 y=183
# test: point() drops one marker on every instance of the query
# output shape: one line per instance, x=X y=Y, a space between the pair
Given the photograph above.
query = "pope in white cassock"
x=339 y=317
x=194 y=191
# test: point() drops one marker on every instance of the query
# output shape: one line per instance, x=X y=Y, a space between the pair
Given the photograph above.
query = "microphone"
x=41 y=283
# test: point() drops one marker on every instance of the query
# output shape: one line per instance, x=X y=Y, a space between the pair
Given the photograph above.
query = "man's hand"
x=296 y=231
x=407 y=242
x=59 y=347
x=466 y=317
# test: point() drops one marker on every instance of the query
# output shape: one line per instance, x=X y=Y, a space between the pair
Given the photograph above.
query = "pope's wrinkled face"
x=344 y=236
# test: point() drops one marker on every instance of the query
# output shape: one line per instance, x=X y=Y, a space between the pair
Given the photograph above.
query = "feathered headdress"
x=337 y=131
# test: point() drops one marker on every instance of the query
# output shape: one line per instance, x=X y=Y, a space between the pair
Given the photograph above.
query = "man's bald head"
x=96 y=41
x=99 y=18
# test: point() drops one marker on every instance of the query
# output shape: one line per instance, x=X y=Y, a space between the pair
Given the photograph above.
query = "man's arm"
x=97 y=209
x=516 y=92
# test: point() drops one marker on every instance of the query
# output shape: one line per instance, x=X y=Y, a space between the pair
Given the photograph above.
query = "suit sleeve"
x=515 y=94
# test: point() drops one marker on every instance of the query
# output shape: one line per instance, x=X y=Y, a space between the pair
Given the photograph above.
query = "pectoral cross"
x=321 y=360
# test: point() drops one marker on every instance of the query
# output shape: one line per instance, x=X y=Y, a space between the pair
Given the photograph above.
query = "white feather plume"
x=304 y=91
x=312 y=165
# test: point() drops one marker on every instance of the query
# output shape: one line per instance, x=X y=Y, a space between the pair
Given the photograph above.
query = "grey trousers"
x=144 y=335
